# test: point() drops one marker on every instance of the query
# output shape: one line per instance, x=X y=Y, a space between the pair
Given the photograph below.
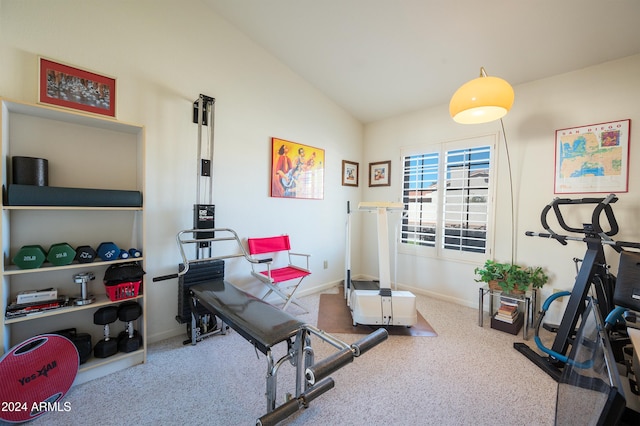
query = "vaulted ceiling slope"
x=381 y=58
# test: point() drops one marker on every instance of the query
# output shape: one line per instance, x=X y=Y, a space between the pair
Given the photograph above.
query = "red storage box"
x=123 y=291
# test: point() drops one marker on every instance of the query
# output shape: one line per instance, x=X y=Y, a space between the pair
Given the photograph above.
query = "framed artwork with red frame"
x=75 y=88
x=297 y=170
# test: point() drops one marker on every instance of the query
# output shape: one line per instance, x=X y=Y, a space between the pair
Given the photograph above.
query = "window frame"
x=441 y=148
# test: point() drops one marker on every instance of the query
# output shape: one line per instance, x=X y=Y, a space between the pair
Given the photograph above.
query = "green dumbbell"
x=61 y=254
x=30 y=257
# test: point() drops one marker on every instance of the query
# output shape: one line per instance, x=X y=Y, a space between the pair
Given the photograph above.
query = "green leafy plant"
x=490 y=271
x=510 y=276
x=537 y=276
x=517 y=278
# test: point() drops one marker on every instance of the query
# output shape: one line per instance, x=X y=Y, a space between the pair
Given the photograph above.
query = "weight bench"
x=265 y=326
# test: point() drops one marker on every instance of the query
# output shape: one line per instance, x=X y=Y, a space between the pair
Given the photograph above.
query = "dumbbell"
x=129 y=340
x=61 y=254
x=85 y=254
x=30 y=257
x=134 y=252
x=107 y=346
x=108 y=251
x=83 y=278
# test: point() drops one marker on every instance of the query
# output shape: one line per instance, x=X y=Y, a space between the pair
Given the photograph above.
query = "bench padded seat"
x=260 y=323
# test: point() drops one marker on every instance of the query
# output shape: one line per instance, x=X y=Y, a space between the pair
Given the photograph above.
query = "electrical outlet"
x=326 y=264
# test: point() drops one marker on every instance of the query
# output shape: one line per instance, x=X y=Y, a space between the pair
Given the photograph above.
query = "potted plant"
x=537 y=276
x=517 y=279
x=509 y=277
x=492 y=273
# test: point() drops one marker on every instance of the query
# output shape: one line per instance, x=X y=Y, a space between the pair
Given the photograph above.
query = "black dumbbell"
x=129 y=340
x=107 y=346
x=85 y=254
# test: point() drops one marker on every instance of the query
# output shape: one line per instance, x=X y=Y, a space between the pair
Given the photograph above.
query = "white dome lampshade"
x=481 y=100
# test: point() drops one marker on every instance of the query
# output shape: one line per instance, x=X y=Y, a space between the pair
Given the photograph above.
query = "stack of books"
x=508 y=318
x=15 y=309
x=508 y=310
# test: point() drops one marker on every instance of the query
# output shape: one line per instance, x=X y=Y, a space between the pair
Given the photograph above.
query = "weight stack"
x=197 y=273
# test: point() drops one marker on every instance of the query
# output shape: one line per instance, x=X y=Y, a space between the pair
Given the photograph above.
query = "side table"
x=529 y=299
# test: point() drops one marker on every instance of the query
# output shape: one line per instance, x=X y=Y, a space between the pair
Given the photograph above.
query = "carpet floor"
x=468 y=375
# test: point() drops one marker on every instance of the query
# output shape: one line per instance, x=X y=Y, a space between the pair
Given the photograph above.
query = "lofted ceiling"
x=381 y=58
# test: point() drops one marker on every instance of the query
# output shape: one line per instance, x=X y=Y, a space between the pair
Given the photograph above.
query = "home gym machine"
x=204 y=297
x=203 y=224
x=265 y=326
x=593 y=275
x=373 y=302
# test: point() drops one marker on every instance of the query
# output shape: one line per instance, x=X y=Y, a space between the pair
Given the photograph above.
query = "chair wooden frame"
x=274 y=276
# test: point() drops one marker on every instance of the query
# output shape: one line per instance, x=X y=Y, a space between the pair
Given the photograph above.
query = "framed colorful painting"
x=71 y=87
x=349 y=173
x=592 y=158
x=297 y=170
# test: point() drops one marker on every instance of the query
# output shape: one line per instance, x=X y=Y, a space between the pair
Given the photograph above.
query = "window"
x=447 y=198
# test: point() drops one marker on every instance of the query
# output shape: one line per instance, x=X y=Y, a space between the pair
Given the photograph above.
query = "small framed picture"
x=349 y=173
x=71 y=87
x=380 y=173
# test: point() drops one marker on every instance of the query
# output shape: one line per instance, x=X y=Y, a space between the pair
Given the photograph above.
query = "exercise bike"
x=593 y=276
x=613 y=300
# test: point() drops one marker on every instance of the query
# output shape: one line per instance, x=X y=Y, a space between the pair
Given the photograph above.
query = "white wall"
x=164 y=54
x=607 y=92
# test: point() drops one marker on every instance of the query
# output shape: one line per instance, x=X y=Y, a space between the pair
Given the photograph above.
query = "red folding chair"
x=273 y=275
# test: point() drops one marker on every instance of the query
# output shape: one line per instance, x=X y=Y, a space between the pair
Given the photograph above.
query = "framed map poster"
x=593 y=158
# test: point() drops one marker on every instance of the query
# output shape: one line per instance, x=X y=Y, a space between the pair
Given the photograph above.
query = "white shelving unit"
x=83 y=151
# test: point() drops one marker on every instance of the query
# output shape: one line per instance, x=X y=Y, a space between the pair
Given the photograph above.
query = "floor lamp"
x=482 y=100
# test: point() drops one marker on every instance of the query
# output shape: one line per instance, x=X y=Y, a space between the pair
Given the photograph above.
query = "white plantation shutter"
x=466 y=192
x=420 y=181
x=446 y=193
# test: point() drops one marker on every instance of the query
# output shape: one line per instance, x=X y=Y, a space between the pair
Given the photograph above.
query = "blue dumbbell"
x=134 y=252
x=108 y=251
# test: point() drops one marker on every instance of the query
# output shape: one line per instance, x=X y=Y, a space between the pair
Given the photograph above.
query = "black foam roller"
x=30 y=171
x=279 y=414
x=32 y=195
x=293 y=405
x=318 y=389
x=369 y=341
x=334 y=362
